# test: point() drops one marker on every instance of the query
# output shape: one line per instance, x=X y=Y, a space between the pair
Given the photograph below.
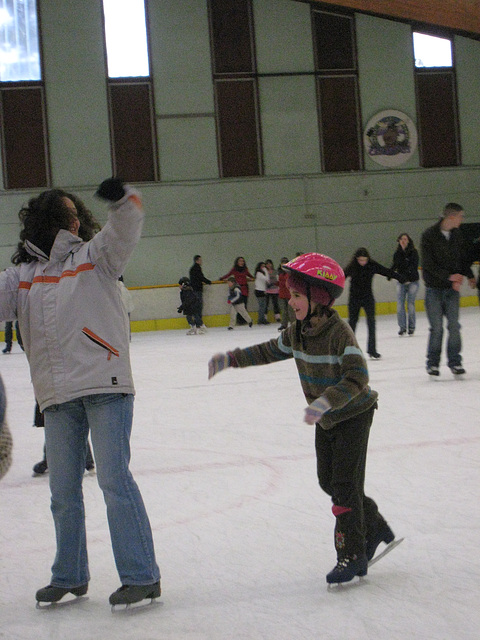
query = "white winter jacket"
x=72 y=319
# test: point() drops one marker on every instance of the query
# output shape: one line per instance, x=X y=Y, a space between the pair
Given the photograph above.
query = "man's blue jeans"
x=406 y=292
x=109 y=419
x=439 y=303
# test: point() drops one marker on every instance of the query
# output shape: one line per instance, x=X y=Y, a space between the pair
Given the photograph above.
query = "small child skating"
x=190 y=307
x=235 y=300
x=334 y=377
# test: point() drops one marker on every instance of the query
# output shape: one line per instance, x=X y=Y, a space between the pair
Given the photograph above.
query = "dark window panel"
x=232 y=38
x=437 y=119
x=339 y=123
x=25 y=157
x=132 y=126
x=239 y=146
x=334 y=40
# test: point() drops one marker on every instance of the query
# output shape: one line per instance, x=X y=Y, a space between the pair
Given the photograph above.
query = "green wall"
x=294 y=207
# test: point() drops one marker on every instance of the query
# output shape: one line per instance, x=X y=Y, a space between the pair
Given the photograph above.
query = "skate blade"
x=61 y=603
x=388 y=548
x=338 y=587
x=135 y=607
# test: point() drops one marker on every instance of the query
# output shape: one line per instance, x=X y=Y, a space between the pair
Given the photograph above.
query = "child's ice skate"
x=347 y=568
x=383 y=534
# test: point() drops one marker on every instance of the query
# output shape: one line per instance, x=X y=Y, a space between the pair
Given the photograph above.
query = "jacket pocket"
x=101 y=343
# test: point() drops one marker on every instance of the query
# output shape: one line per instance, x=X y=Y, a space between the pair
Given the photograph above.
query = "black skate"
x=129 y=594
x=40 y=468
x=51 y=594
x=347 y=568
x=383 y=534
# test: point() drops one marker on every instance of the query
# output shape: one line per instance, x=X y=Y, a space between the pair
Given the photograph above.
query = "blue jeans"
x=262 y=306
x=439 y=303
x=109 y=419
x=406 y=292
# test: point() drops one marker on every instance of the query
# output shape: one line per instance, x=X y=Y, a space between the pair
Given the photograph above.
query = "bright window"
x=19 y=52
x=431 y=51
x=126 y=38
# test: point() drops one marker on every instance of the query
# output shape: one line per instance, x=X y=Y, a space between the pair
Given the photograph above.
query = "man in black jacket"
x=197 y=280
x=445 y=261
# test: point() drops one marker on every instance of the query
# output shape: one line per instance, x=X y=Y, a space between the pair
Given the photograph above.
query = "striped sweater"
x=329 y=362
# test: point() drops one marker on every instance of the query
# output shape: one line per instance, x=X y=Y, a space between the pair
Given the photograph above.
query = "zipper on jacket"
x=101 y=343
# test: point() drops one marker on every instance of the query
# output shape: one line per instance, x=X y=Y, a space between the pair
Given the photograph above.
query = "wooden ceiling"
x=461 y=15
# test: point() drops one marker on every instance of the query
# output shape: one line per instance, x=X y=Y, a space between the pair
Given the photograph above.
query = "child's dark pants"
x=341 y=458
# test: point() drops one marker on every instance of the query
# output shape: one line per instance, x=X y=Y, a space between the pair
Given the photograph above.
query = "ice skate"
x=40 y=468
x=457 y=370
x=383 y=534
x=130 y=594
x=347 y=568
x=375 y=355
x=51 y=594
x=433 y=371
x=192 y=331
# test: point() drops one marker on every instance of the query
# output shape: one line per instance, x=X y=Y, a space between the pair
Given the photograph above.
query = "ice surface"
x=244 y=535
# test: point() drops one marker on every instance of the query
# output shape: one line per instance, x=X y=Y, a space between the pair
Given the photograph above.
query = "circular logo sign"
x=390 y=138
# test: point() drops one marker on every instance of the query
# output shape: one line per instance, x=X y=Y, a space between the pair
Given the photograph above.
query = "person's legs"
x=199 y=309
x=110 y=419
x=412 y=290
x=8 y=336
x=369 y=306
x=19 y=335
x=262 y=307
x=401 y=316
x=354 y=307
x=341 y=457
x=66 y=431
x=454 y=339
x=240 y=308
x=434 y=309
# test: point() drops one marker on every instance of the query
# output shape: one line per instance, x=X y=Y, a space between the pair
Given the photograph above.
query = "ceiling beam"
x=460 y=15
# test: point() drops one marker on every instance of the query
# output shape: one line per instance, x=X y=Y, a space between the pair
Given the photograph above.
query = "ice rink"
x=243 y=533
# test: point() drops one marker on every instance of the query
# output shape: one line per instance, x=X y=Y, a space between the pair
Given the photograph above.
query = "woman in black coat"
x=361 y=270
x=405 y=262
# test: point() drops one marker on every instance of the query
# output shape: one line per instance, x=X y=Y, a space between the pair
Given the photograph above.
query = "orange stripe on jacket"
x=102 y=343
x=70 y=273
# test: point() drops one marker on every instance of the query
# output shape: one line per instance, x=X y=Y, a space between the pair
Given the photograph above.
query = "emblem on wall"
x=390 y=138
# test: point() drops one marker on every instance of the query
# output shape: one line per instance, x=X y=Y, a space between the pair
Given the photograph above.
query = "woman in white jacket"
x=63 y=289
x=261 y=284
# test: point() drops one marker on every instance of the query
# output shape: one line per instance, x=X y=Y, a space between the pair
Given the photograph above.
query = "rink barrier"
x=155 y=307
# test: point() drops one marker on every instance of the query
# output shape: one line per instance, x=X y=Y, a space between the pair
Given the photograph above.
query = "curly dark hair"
x=43 y=218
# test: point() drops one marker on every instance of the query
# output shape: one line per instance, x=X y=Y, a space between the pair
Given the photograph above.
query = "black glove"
x=111 y=190
x=180 y=309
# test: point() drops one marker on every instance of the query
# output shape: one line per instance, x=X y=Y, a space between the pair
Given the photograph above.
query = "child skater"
x=361 y=270
x=334 y=377
x=235 y=300
x=190 y=306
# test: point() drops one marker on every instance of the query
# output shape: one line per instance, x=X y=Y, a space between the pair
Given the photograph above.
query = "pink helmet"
x=319 y=270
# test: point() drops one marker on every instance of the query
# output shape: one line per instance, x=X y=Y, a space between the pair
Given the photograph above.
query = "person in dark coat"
x=197 y=280
x=405 y=262
x=361 y=270
x=446 y=261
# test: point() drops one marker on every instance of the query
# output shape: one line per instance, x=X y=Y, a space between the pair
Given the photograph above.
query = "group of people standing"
x=446 y=261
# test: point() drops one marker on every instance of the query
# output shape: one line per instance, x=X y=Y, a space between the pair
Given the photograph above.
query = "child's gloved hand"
x=315 y=411
x=219 y=362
